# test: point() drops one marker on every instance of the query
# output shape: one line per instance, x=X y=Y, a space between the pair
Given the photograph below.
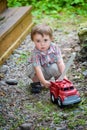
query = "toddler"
x=46 y=59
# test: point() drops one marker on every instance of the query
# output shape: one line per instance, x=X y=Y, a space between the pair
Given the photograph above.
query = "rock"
x=11 y=81
x=85 y=73
x=2 y=83
x=85 y=93
x=18 y=52
x=4 y=69
x=11 y=115
x=82 y=33
x=18 y=128
x=1 y=75
x=65 y=116
x=80 y=128
x=84 y=63
x=82 y=55
x=26 y=126
x=77 y=48
x=61 y=128
x=16 y=55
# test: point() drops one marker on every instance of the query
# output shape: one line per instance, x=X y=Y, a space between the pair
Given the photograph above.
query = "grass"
x=61 y=18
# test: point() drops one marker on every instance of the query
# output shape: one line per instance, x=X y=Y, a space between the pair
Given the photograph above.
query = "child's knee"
x=54 y=70
x=30 y=71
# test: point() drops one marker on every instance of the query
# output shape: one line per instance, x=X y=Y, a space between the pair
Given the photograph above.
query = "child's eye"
x=38 y=41
x=45 y=40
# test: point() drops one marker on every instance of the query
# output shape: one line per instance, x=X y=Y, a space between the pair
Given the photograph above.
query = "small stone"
x=85 y=93
x=2 y=83
x=11 y=81
x=18 y=128
x=1 y=75
x=65 y=116
x=11 y=115
x=18 y=52
x=2 y=93
x=26 y=126
x=16 y=55
x=4 y=69
x=84 y=63
x=77 y=48
x=61 y=128
x=85 y=73
x=80 y=128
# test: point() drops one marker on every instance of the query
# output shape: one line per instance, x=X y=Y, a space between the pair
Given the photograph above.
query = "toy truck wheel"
x=59 y=102
x=52 y=98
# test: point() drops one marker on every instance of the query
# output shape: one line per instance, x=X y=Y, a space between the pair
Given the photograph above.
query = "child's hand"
x=47 y=84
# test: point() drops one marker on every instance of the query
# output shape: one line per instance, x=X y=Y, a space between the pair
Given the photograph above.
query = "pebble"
x=84 y=63
x=2 y=75
x=85 y=73
x=61 y=128
x=11 y=115
x=11 y=81
x=65 y=116
x=2 y=83
x=85 y=93
x=26 y=126
x=18 y=128
x=4 y=69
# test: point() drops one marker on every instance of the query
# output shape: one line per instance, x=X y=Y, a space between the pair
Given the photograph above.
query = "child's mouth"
x=42 y=48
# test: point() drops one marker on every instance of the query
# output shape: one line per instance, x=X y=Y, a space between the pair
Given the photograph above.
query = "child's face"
x=42 y=43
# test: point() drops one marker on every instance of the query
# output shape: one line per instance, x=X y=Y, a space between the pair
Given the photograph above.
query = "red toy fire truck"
x=64 y=93
x=63 y=90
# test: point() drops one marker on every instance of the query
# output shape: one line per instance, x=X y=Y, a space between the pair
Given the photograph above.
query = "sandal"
x=36 y=87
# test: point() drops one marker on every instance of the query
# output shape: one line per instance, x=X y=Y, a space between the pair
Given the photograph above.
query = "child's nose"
x=42 y=43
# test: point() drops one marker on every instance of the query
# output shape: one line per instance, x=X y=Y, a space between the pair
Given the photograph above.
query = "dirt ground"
x=21 y=110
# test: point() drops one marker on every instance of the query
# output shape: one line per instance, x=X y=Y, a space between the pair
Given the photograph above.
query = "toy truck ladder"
x=67 y=66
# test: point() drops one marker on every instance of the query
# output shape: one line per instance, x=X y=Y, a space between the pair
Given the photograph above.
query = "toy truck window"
x=71 y=88
x=65 y=89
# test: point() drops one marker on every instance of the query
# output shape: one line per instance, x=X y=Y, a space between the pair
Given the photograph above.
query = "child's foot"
x=36 y=87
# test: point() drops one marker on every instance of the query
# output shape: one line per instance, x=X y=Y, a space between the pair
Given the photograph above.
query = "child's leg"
x=35 y=78
x=53 y=71
x=35 y=86
x=31 y=73
x=48 y=72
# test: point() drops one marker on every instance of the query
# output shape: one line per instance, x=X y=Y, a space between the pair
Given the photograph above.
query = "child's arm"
x=41 y=76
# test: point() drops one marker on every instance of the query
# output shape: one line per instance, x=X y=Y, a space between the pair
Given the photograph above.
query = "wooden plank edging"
x=15 y=44
x=4 y=29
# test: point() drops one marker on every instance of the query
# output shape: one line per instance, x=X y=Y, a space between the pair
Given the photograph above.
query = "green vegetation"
x=53 y=8
x=23 y=58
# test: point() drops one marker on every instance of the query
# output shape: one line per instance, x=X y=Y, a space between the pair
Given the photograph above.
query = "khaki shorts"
x=48 y=72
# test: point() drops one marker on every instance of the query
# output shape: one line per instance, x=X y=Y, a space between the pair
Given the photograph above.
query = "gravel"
x=14 y=83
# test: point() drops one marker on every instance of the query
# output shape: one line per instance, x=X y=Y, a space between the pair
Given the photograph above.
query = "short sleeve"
x=35 y=59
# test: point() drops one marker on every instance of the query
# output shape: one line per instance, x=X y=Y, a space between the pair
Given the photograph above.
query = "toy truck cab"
x=64 y=93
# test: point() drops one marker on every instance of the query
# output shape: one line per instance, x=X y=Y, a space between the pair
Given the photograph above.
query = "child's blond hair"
x=41 y=29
